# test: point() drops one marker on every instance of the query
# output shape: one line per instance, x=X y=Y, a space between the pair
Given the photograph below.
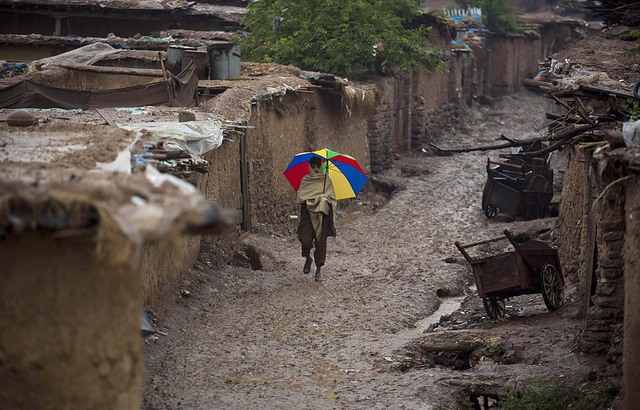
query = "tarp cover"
x=177 y=91
x=86 y=55
x=199 y=136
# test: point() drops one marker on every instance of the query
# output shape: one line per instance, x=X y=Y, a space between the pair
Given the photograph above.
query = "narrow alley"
x=274 y=338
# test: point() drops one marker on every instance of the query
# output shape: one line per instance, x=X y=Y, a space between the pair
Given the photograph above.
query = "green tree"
x=337 y=36
x=497 y=15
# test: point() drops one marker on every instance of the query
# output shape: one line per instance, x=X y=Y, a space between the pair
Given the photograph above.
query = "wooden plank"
x=482 y=242
x=463 y=252
x=606 y=91
x=499 y=273
x=106 y=117
x=506 y=165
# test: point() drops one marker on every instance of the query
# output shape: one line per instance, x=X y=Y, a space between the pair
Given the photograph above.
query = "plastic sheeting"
x=199 y=136
x=87 y=55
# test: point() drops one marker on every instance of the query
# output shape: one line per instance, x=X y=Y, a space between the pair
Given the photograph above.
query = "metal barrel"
x=174 y=58
x=224 y=60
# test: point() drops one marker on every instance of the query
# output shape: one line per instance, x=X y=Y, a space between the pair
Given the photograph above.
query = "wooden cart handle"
x=482 y=242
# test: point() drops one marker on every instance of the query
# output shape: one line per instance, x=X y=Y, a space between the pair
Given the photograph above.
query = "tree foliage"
x=497 y=15
x=337 y=36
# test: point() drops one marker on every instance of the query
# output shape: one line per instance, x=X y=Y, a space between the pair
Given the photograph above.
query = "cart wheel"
x=491 y=211
x=552 y=287
x=494 y=307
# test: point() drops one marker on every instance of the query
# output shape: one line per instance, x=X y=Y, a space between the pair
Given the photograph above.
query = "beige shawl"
x=317 y=192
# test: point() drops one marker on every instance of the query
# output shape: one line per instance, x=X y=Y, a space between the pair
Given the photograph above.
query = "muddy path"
x=274 y=338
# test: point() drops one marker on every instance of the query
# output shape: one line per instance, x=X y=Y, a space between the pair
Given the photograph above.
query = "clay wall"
x=69 y=322
x=511 y=58
x=631 y=251
x=289 y=125
x=574 y=217
x=165 y=261
x=430 y=102
x=382 y=129
x=439 y=99
x=593 y=231
x=414 y=108
x=222 y=186
x=603 y=333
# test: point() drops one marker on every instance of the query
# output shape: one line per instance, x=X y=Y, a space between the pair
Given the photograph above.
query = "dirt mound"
x=598 y=54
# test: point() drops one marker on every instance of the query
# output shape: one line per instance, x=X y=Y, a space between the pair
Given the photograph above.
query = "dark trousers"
x=307 y=236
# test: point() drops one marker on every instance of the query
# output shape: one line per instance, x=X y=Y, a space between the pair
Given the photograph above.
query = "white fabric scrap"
x=157 y=178
x=631 y=133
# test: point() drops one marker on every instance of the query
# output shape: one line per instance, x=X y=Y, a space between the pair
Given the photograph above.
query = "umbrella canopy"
x=344 y=171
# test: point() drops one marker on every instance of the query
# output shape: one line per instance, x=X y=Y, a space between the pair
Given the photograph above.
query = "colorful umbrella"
x=345 y=172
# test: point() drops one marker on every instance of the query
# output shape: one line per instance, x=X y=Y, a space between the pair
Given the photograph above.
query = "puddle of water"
x=447 y=307
x=400 y=339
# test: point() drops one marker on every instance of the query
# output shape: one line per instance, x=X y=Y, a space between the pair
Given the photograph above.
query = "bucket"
x=224 y=60
x=174 y=58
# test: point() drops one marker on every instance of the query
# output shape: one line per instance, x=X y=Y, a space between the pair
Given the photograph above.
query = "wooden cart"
x=519 y=190
x=533 y=267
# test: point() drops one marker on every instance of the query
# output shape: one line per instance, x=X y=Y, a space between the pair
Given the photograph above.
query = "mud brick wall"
x=438 y=99
x=603 y=333
x=69 y=322
x=165 y=261
x=511 y=58
x=574 y=217
x=222 y=186
x=631 y=251
x=414 y=108
x=419 y=107
x=382 y=129
x=286 y=126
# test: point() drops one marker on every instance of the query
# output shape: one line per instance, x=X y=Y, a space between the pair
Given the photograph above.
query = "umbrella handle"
x=324 y=187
